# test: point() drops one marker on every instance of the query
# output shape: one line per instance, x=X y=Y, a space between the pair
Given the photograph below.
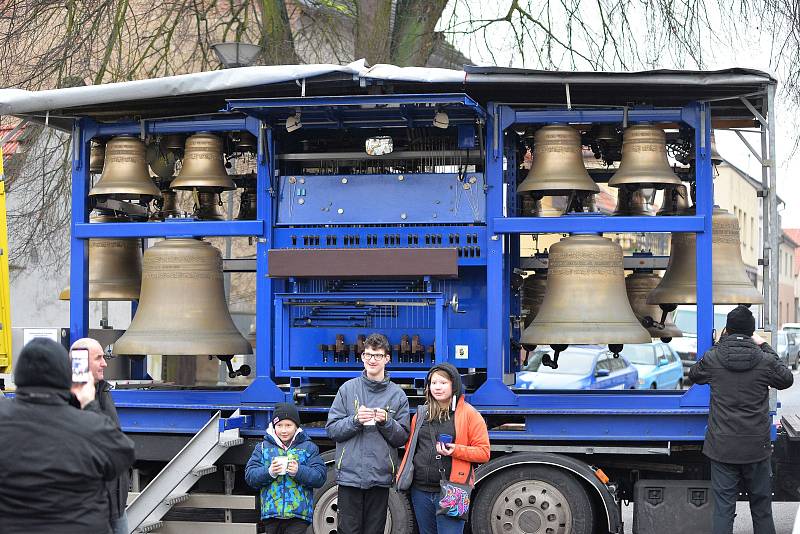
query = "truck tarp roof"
x=206 y=92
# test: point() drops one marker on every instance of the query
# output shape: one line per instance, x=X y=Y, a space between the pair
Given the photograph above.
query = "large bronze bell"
x=247 y=206
x=676 y=202
x=585 y=301
x=730 y=282
x=632 y=202
x=182 y=309
x=115 y=266
x=644 y=159
x=203 y=167
x=97 y=155
x=207 y=208
x=125 y=175
x=639 y=284
x=533 y=290
x=557 y=164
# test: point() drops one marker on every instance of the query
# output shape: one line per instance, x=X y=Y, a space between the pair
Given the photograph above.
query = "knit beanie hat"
x=285 y=410
x=43 y=362
x=741 y=321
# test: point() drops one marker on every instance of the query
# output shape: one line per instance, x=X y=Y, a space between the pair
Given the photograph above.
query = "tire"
x=794 y=365
x=532 y=499
x=653 y=386
x=400 y=518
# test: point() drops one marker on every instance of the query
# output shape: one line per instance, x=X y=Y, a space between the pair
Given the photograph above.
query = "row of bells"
x=585 y=298
x=125 y=164
x=558 y=170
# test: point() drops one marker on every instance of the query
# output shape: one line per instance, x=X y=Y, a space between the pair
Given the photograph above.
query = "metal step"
x=203 y=527
x=172 y=484
x=211 y=500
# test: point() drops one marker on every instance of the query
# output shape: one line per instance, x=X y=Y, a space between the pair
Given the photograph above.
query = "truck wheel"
x=399 y=518
x=532 y=499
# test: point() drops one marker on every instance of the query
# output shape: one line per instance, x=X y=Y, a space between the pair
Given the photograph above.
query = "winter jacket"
x=740 y=374
x=471 y=439
x=118 y=488
x=286 y=496
x=366 y=456
x=55 y=463
x=427 y=474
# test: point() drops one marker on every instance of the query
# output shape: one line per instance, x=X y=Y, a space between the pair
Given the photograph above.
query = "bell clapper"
x=615 y=349
x=243 y=370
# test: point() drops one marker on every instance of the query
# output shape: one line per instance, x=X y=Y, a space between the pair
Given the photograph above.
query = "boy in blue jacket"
x=287 y=488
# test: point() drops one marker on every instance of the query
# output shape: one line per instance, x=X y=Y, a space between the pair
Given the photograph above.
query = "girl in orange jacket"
x=444 y=415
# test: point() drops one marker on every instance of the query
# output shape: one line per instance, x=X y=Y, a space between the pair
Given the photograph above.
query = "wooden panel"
x=363 y=262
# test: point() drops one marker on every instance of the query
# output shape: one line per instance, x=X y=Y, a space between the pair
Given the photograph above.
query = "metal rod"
x=772 y=197
x=399 y=155
x=750 y=147
x=755 y=112
x=769 y=318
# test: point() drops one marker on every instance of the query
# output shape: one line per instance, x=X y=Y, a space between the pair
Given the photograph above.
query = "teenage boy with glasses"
x=368 y=421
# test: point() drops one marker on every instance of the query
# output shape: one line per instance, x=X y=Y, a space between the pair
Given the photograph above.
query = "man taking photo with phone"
x=56 y=459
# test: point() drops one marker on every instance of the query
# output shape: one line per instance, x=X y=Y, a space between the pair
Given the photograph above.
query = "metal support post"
x=774 y=230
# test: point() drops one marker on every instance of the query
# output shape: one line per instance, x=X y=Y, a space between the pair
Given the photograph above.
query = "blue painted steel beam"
x=600 y=223
x=169 y=229
x=245 y=104
x=515 y=116
x=156 y=127
x=79 y=250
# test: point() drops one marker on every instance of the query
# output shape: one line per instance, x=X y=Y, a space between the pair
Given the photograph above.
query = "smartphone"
x=80 y=366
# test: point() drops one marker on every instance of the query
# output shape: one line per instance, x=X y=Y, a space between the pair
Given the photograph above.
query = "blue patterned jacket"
x=286 y=496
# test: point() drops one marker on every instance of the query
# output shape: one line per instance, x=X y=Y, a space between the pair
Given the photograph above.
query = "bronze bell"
x=203 y=166
x=125 y=175
x=557 y=164
x=676 y=202
x=644 y=159
x=207 y=208
x=247 y=206
x=716 y=159
x=632 y=202
x=172 y=142
x=97 y=155
x=730 y=282
x=246 y=142
x=115 y=266
x=639 y=284
x=585 y=301
x=182 y=310
x=168 y=206
x=533 y=289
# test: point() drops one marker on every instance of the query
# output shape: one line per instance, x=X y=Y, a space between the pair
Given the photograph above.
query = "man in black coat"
x=740 y=369
x=117 y=489
x=56 y=457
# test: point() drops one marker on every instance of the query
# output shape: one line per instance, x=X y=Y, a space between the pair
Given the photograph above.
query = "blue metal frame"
x=572 y=407
x=556 y=415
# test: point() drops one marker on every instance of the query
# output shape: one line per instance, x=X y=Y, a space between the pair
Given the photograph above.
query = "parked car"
x=658 y=365
x=579 y=367
x=786 y=347
x=792 y=331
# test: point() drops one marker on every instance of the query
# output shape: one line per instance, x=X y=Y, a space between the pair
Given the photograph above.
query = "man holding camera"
x=56 y=458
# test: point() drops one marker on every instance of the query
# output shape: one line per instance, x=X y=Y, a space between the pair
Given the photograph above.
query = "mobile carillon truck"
x=386 y=199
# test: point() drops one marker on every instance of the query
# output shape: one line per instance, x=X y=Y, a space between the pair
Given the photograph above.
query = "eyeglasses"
x=366 y=356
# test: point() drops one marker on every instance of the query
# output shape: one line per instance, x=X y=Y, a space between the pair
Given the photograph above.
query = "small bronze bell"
x=125 y=175
x=208 y=206
x=203 y=166
x=644 y=159
x=172 y=142
x=557 y=164
x=639 y=284
x=97 y=156
x=182 y=309
x=632 y=202
x=676 y=202
x=245 y=142
x=168 y=206
x=533 y=290
x=247 y=206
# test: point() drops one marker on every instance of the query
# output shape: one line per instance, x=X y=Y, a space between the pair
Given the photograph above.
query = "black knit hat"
x=43 y=362
x=285 y=410
x=741 y=321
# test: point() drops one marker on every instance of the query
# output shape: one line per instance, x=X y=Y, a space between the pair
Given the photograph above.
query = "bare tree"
x=45 y=43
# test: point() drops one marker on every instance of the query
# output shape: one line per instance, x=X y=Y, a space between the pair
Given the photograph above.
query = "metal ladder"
x=171 y=486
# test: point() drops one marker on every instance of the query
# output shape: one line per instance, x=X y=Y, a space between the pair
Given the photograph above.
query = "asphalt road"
x=782 y=512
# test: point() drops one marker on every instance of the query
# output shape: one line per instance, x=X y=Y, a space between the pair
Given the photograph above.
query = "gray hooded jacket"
x=366 y=456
